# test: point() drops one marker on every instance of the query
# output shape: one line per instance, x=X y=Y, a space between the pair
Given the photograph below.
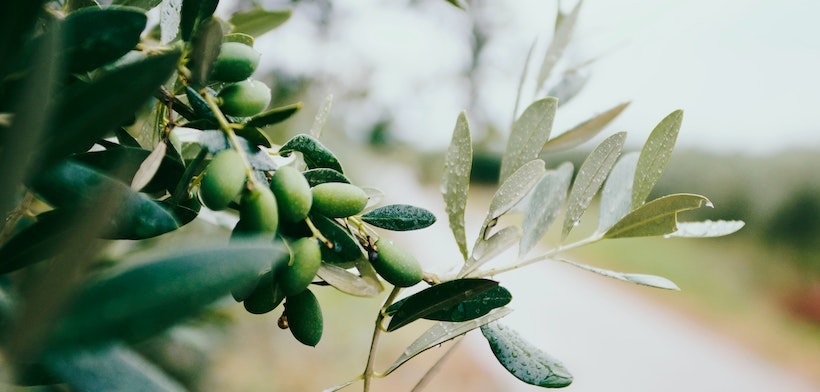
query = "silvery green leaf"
x=348 y=282
x=486 y=249
x=584 y=131
x=657 y=217
x=707 y=228
x=321 y=117
x=547 y=199
x=456 y=180
x=169 y=12
x=616 y=197
x=521 y=80
x=512 y=191
x=442 y=332
x=655 y=156
x=559 y=42
x=523 y=360
x=590 y=176
x=641 y=279
x=528 y=135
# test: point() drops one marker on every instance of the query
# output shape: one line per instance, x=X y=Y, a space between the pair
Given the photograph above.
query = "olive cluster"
x=286 y=209
x=241 y=96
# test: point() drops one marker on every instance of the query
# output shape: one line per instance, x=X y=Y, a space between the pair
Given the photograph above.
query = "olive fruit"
x=396 y=265
x=236 y=61
x=307 y=256
x=265 y=297
x=223 y=180
x=338 y=199
x=258 y=211
x=245 y=98
x=292 y=193
x=304 y=317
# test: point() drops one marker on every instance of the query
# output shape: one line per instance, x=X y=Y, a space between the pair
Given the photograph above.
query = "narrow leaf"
x=205 y=46
x=149 y=167
x=399 y=217
x=456 y=180
x=144 y=4
x=123 y=163
x=616 y=197
x=112 y=367
x=655 y=156
x=274 y=116
x=97 y=36
x=560 y=41
x=344 y=247
x=523 y=360
x=584 y=131
x=486 y=249
x=641 y=279
x=161 y=290
x=513 y=190
x=658 y=217
x=467 y=309
x=322 y=175
x=258 y=21
x=321 y=117
x=707 y=229
x=315 y=154
x=435 y=298
x=442 y=332
x=590 y=177
x=521 y=80
x=547 y=199
x=528 y=135
x=348 y=282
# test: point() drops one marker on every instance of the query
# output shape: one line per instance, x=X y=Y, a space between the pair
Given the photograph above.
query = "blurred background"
x=399 y=72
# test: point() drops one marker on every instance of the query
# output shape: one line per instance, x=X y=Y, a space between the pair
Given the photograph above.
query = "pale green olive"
x=236 y=61
x=245 y=98
x=396 y=265
x=338 y=200
x=223 y=180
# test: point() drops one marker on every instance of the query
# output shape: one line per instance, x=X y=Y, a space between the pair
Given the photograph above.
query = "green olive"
x=307 y=256
x=396 y=265
x=304 y=317
x=258 y=212
x=265 y=297
x=236 y=61
x=292 y=192
x=223 y=180
x=338 y=200
x=245 y=98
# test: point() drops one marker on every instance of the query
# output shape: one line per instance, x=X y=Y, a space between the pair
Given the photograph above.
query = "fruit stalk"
x=374 y=342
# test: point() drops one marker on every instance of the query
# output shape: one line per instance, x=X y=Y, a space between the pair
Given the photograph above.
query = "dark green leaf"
x=591 y=176
x=40 y=241
x=97 y=36
x=273 y=116
x=345 y=248
x=113 y=367
x=455 y=181
x=144 y=4
x=73 y=5
x=205 y=46
x=400 y=217
x=528 y=135
x=314 y=153
x=73 y=185
x=657 y=217
x=254 y=136
x=442 y=296
x=86 y=112
x=123 y=163
x=201 y=108
x=524 y=361
x=16 y=25
x=323 y=175
x=641 y=279
x=470 y=309
x=258 y=21
x=654 y=157
x=194 y=12
x=161 y=290
x=442 y=332
x=584 y=131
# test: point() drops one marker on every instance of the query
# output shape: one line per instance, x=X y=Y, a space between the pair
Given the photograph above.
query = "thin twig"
x=377 y=330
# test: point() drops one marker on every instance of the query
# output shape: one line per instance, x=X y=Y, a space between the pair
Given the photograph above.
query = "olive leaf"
x=399 y=217
x=707 y=229
x=144 y=4
x=347 y=282
x=655 y=155
x=455 y=181
x=110 y=367
x=322 y=175
x=97 y=36
x=657 y=217
x=123 y=163
x=315 y=154
x=616 y=197
x=258 y=21
x=524 y=361
x=205 y=46
x=442 y=296
x=193 y=12
x=591 y=176
x=465 y=310
x=641 y=279
x=584 y=131
x=344 y=247
x=547 y=199
x=512 y=191
x=141 y=301
x=442 y=332
x=273 y=116
x=528 y=135
x=560 y=41
x=485 y=250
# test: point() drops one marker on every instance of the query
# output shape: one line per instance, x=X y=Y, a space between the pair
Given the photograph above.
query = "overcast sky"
x=746 y=73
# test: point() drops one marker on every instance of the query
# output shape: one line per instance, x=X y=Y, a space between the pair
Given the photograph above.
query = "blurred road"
x=609 y=334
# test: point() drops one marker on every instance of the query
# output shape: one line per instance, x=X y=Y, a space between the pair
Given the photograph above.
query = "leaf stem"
x=377 y=330
x=542 y=257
